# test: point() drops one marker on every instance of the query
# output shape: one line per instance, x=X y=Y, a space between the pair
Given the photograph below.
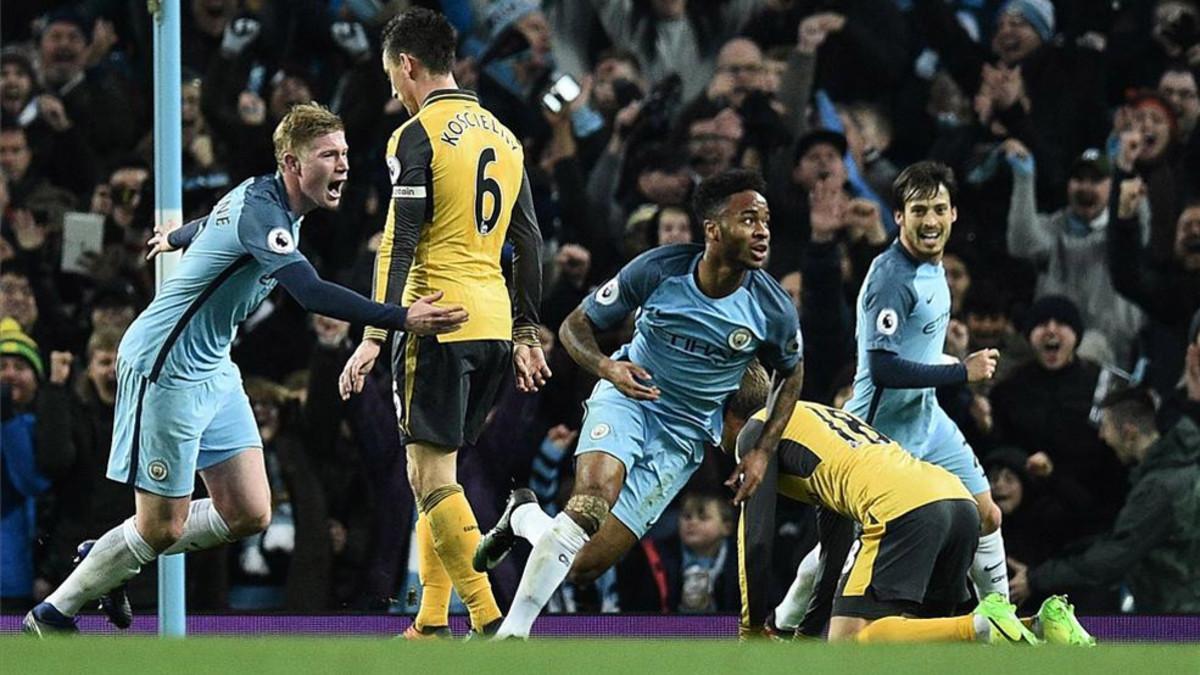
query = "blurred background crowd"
x=1082 y=279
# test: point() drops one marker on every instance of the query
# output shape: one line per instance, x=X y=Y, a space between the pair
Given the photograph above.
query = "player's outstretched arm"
x=323 y=297
x=753 y=464
x=578 y=337
x=424 y=318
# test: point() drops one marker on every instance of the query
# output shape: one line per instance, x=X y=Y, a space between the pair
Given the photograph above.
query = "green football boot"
x=1059 y=625
x=1006 y=628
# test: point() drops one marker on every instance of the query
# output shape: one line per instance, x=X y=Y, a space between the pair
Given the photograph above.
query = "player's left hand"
x=747 y=475
x=532 y=371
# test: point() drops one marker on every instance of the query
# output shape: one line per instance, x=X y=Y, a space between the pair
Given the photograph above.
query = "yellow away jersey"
x=838 y=460
x=457 y=174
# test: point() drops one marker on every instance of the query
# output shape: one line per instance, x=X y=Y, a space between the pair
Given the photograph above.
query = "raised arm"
x=1028 y=235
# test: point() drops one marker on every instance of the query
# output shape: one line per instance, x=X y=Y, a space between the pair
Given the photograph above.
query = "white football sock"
x=989 y=570
x=530 y=522
x=547 y=567
x=205 y=528
x=115 y=558
x=983 y=628
x=791 y=610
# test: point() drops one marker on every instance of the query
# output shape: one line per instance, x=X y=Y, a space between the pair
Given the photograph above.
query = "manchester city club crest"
x=157 y=470
x=739 y=339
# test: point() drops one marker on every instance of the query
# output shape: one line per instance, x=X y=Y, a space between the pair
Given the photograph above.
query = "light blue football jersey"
x=903 y=308
x=695 y=347
x=186 y=332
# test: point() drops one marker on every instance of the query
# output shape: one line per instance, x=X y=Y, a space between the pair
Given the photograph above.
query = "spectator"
x=653 y=225
x=863 y=45
x=1146 y=133
x=693 y=571
x=204 y=30
x=1185 y=400
x=33 y=417
x=1167 y=292
x=205 y=177
x=1045 y=406
x=714 y=138
x=985 y=312
x=60 y=151
x=572 y=266
x=1154 y=546
x=1178 y=85
x=1039 y=514
x=97 y=96
x=84 y=500
x=29 y=190
x=674 y=36
x=1069 y=247
x=1037 y=88
x=958 y=277
x=22 y=298
x=512 y=86
x=816 y=157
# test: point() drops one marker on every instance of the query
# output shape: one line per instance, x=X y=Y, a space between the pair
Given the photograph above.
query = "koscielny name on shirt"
x=459 y=124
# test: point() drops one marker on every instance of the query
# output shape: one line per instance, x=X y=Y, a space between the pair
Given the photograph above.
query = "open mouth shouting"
x=333 y=192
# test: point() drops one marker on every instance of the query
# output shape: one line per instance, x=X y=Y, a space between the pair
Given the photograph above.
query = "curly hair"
x=713 y=193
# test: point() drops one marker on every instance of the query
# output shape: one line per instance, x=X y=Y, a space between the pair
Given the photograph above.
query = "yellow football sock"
x=455 y=536
x=435 y=582
x=902 y=629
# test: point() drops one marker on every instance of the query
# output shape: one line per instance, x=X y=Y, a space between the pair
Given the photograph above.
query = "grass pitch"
x=355 y=656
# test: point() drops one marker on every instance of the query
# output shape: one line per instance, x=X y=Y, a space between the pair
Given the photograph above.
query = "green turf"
x=352 y=656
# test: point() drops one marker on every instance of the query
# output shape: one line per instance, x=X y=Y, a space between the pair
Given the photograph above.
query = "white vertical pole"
x=168 y=214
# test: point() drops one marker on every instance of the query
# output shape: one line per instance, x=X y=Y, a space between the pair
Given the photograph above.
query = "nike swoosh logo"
x=929 y=300
x=989 y=569
x=1002 y=631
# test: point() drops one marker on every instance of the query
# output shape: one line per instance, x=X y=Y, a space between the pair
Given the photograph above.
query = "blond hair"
x=103 y=340
x=303 y=124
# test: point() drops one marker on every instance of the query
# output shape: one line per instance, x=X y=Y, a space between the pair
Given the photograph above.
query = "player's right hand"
x=628 y=378
x=425 y=318
x=357 y=366
x=981 y=365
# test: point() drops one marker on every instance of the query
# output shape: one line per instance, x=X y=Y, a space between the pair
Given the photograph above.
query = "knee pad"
x=589 y=511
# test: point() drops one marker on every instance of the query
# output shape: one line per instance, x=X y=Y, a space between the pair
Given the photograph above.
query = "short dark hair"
x=752 y=393
x=921 y=181
x=712 y=193
x=1131 y=405
x=423 y=34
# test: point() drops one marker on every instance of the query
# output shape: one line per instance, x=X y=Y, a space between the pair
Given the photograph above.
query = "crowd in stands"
x=1071 y=127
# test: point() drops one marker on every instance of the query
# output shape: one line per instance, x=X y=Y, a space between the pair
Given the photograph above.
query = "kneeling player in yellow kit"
x=918 y=527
